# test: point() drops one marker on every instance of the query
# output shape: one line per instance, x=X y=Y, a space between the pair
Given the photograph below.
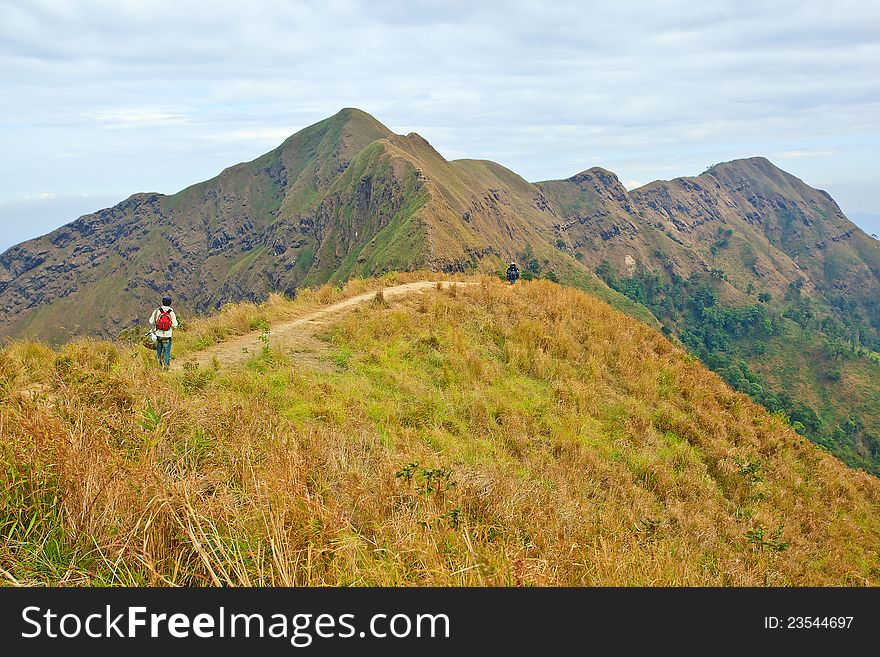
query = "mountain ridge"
x=237 y=215
x=740 y=251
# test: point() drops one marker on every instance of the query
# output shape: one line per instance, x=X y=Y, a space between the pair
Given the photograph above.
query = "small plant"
x=453 y=517
x=749 y=470
x=407 y=472
x=723 y=241
x=264 y=338
x=195 y=378
x=758 y=537
x=151 y=417
x=435 y=480
x=379 y=300
x=833 y=375
x=432 y=484
x=258 y=324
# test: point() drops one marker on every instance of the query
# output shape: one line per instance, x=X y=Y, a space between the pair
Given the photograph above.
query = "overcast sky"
x=101 y=99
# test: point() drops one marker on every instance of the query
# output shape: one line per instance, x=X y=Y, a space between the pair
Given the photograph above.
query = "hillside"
x=479 y=435
x=733 y=262
x=760 y=275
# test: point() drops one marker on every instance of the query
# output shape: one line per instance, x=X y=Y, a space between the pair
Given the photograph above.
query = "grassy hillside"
x=484 y=435
x=800 y=361
x=829 y=377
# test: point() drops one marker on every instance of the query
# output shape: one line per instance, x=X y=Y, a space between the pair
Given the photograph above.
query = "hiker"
x=162 y=321
x=512 y=273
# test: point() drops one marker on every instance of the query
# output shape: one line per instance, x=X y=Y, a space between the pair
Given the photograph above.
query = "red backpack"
x=163 y=321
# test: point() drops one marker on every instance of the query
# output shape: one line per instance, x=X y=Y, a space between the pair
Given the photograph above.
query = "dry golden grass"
x=480 y=435
x=240 y=318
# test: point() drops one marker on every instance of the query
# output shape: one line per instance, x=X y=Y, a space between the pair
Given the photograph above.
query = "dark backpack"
x=163 y=321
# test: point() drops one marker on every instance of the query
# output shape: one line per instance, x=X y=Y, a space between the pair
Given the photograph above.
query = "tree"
x=749 y=258
x=606 y=273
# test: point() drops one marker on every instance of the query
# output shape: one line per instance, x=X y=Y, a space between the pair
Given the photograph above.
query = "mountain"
x=748 y=218
x=482 y=435
x=347 y=196
x=344 y=196
x=100 y=273
x=760 y=275
x=795 y=231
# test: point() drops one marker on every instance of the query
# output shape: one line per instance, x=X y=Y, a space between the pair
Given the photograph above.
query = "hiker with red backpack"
x=162 y=321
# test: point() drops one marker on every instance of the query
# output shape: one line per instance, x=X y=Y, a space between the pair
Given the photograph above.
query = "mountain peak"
x=757 y=162
x=600 y=172
x=600 y=178
x=353 y=115
x=350 y=121
x=354 y=112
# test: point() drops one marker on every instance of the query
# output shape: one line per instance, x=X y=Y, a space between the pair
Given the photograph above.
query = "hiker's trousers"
x=163 y=351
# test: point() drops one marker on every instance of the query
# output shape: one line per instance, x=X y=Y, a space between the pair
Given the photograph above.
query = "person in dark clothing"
x=162 y=322
x=512 y=273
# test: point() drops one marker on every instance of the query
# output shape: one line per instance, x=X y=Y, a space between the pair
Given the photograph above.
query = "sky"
x=102 y=99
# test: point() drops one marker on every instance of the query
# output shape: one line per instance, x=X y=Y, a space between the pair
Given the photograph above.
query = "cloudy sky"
x=102 y=99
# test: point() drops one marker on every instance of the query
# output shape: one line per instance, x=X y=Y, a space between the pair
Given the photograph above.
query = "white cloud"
x=137 y=117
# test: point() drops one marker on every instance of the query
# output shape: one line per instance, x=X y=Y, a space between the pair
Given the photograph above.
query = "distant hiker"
x=162 y=321
x=512 y=273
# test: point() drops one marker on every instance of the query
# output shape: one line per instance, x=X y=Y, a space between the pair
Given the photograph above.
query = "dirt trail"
x=297 y=337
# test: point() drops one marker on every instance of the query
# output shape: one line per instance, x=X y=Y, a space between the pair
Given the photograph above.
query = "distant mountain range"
x=347 y=197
